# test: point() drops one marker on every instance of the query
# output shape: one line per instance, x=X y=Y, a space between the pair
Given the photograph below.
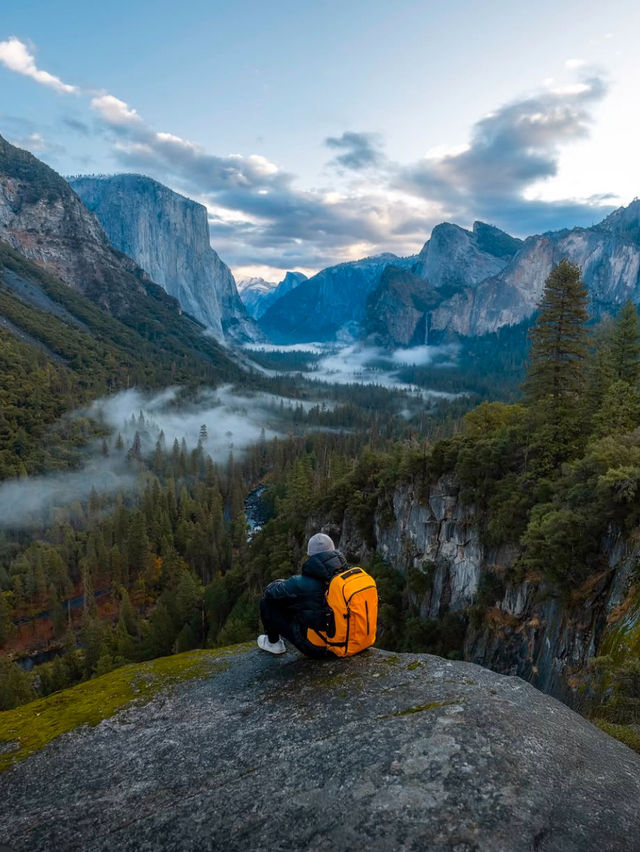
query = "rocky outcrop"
x=607 y=253
x=379 y=751
x=258 y=295
x=521 y=628
x=168 y=236
x=45 y=221
x=397 y=309
x=454 y=257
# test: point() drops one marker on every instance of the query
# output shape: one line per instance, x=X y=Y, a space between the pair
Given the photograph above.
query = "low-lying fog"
x=232 y=421
x=334 y=363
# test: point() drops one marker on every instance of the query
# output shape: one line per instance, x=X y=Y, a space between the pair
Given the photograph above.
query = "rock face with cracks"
x=376 y=752
x=168 y=235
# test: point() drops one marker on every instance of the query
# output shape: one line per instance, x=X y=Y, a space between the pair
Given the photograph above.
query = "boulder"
x=380 y=752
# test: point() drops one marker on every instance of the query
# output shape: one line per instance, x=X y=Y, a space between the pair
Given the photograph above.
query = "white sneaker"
x=272 y=647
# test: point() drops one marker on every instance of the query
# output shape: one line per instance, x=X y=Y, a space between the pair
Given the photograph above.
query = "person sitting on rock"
x=289 y=607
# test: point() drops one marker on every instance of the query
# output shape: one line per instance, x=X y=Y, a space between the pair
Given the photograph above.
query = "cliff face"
x=487 y=279
x=380 y=751
x=168 y=236
x=455 y=257
x=396 y=311
x=608 y=254
x=44 y=220
x=45 y=227
x=522 y=629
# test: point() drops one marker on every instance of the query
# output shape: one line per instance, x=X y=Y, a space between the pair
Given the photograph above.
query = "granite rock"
x=167 y=234
x=377 y=752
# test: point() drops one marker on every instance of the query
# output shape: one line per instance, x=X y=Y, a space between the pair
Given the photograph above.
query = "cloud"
x=511 y=150
x=115 y=112
x=32 y=501
x=34 y=143
x=37 y=144
x=16 y=56
x=423 y=356
x=361 y=150
x=263 y=217
x=312 y=348
x=260 y=216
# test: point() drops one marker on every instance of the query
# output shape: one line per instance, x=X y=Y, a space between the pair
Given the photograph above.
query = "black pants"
x=279 y=620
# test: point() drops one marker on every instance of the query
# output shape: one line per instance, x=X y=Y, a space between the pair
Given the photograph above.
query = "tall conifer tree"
x=559 y=338
x=556 y=373
x=625 y=345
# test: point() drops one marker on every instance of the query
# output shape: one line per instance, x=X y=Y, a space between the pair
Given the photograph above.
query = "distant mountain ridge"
x=463 y=283
x=608 y=254
x=258 y=295
x=167 y=234
x=338 y=301
x=329 y=305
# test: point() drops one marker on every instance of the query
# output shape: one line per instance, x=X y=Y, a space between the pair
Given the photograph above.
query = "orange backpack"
x=352 y=597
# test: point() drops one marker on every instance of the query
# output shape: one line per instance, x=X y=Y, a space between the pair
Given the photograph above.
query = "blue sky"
x=323 y=131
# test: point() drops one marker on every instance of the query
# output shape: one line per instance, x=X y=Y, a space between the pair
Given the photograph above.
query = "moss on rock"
x=628 y=734
x=27 y=729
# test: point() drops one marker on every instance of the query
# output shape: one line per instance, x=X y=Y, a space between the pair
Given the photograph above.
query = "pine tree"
x=557 y=361
x=620 y=410
x=15 y=685
x=625 y=345
x=93 y=642
x=188 y=596
x=599 y=369
x=137 y=544
x=559 y=339
x=127 y=616
x=161 y=633
x=186 y=640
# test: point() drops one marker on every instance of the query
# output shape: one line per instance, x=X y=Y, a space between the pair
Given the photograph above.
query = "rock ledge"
x=378 y=752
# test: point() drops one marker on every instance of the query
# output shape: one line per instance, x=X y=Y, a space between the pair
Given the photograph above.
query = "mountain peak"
x=624 y=221
x=256 y=284
x=258 y=295
x=168 y=235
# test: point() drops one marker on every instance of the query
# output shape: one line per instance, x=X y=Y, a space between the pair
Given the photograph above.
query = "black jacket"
x=304 y=594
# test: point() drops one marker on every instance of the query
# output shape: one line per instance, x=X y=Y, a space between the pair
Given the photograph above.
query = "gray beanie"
x=319 y=543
